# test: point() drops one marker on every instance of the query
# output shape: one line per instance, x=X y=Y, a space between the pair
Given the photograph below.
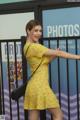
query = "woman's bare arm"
x=52 y=57
x=60 y=53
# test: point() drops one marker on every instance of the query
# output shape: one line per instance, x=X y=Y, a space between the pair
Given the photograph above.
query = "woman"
x=38 y=95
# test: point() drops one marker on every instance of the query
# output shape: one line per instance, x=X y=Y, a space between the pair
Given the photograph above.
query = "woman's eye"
x=36 y=30
x=40 y=30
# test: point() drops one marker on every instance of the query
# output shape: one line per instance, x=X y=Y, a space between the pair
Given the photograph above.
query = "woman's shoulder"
x=32 y=44
x=36 y=45
x=25 y=47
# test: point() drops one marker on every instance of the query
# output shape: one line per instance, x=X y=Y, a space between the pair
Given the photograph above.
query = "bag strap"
x=36 y=69
x=27 y=49
x=37 y=66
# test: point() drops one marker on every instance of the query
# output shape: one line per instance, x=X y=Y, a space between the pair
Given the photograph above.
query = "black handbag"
x=20 y=91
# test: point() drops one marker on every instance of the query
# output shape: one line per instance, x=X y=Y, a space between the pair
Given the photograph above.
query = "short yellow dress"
x=38 y=93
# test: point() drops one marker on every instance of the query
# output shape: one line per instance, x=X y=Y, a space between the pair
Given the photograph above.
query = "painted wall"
x=12 y=26
x=11 y=1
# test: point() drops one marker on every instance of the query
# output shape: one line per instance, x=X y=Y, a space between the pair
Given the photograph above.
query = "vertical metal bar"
x=24 y=61
x=26 y=114
x=8 y=64
x=2 y=85
x=16 y=77
x=42 y=114
x=0 y=91
x=77 y=82
x=67 y=67
x=50 y=73
x=24 y=70
x=59 y=75
x=49 y=67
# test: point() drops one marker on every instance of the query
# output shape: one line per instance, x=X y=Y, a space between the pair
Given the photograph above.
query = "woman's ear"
x=28 y=31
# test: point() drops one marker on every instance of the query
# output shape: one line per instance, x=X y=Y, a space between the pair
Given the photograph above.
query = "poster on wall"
x=64 y=22
x=61 y=22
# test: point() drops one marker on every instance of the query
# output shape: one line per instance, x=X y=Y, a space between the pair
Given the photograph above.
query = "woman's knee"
x=60 y=115
x=56 y=113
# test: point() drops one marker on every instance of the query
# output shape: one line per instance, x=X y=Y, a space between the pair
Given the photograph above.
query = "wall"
x=11 y=1
x=13 y=25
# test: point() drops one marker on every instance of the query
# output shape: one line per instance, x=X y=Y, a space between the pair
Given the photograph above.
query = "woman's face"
x=35 y=33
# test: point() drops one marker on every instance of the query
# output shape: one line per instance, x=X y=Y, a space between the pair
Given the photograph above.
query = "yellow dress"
x=38 y=93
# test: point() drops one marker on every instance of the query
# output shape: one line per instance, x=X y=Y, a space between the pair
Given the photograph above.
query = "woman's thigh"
x=56 y=112
x=33 y=114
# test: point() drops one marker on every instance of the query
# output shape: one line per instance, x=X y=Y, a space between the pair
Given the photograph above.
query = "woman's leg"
x=33 y=114
x=56 y=113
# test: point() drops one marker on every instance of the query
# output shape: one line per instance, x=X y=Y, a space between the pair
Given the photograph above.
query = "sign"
x=61 y=22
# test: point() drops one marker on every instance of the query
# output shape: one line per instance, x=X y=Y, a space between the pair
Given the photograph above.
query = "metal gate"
x=12 y=75
x=64 y=77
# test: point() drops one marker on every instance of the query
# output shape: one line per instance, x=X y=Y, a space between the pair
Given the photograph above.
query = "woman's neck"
x=30 y=40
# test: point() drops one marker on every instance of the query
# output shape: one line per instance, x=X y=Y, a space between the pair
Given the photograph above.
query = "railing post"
x=24 y=69
x=0 y=83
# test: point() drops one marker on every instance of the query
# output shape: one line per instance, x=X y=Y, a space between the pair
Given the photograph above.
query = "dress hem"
x=41 y=108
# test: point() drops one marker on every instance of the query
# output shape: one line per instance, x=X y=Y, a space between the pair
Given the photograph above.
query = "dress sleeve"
x=38 y=49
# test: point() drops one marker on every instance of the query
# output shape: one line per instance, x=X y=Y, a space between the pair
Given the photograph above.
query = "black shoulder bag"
x=20 y=91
